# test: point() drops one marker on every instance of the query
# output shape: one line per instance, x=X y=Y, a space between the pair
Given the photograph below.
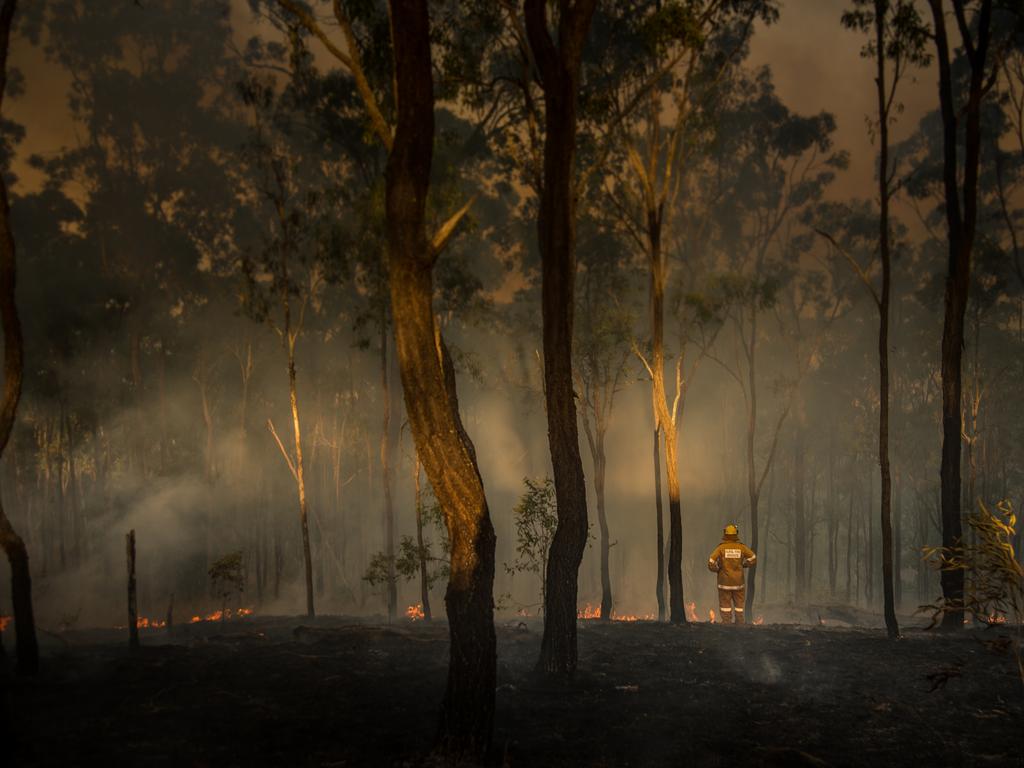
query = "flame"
x=590 y=612
x=142 y=622
x=993 y=619
x=691 y=611
x=4 y=621
x=414 y=612
x=220 y=615
x=759 y=620
x=711 y=615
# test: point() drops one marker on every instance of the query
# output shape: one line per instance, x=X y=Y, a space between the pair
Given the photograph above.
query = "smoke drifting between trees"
x=208 y=257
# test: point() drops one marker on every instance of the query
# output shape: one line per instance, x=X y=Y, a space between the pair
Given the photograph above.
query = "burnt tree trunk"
x=386 y=453
x=660 y=523
x=133 y=611
x=559 y=68
x=428 y=383
x=800 y=546
x=891 y=625
x=424 y=581
x=960 y=222
x=14 y=547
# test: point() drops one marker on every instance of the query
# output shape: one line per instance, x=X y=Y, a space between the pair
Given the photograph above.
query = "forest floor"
x=265 y=691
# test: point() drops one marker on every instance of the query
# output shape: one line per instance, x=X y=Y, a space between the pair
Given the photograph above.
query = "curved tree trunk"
x=559 y=69
x=428 y=383
x=13 y=545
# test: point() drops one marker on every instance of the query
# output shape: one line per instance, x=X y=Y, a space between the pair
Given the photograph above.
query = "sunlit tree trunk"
x=428 y=383
x=559 y=67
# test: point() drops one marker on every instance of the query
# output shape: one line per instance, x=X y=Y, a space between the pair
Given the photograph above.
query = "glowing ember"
x=691 y=611
x=414 y=612
x=759 y=620
x=221 y=615
x=993 y=619
x=590 y=612
x=632 y=617
x=711 y=615
x=4 y=621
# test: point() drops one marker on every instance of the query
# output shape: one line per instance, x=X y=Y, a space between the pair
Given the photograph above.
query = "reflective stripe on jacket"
x=728 y=560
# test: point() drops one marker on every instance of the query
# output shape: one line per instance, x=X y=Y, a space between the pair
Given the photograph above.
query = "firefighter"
x=728 y=561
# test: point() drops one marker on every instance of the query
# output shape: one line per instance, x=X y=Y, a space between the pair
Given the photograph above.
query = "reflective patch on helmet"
x=733 y=553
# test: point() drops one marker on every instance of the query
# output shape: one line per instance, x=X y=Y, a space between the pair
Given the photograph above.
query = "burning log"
x=133 y=619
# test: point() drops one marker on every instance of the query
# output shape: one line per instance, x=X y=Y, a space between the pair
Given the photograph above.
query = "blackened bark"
x=559 y=67
x=424 y=582
x=386 y=452
x=14 y=547
x=891 y=625
x=660 y=523
x=960 y=224
x=800 y=546
x=133 y=612
x=428 y=383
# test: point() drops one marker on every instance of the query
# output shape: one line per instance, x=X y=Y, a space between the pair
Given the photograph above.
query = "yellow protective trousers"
x=730 y=603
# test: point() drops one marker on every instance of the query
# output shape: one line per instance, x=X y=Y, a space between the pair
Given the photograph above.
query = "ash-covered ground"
x=264 y=691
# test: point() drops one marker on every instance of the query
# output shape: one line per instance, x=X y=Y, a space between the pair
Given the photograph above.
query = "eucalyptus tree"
x=399 y=113
x=773 y=167
x=899 y=38
x=960 y=185
x=602 y=350
x=150 y=98
x=662 y=131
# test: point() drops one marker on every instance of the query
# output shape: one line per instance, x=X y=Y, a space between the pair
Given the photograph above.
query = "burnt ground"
x=287 y=692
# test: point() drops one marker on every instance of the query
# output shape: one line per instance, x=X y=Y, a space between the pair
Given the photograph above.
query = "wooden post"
x=133 y=619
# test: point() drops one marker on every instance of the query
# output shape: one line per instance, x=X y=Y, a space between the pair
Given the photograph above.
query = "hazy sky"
x=816 y=62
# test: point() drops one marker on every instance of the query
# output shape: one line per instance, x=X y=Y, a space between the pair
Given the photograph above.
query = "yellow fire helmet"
x=731 y=530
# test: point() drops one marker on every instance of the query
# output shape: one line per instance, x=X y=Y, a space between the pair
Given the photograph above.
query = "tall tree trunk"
x=600 y=465
x=428 y=382
x=660 y=524
x=559 y=67
x=424 y=583
x=300 y=480
x=386 y=452
x=133 y=611
x=799 y=518
x=891 y=625
x=753 y=492
x=665 y=416
x=12 y=543
x=960 y=222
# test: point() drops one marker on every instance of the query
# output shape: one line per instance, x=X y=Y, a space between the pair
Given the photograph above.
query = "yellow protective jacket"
x=729 y=559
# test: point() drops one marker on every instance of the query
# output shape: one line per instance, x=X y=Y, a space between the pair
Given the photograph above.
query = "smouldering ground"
x=284 y=692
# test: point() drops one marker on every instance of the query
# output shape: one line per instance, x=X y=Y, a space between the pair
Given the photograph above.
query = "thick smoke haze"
x=139 y=411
